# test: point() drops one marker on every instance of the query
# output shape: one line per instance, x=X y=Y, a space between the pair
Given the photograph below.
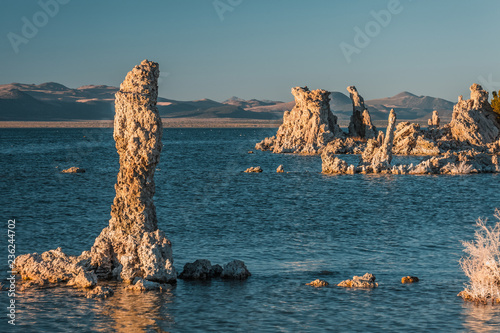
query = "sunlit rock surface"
x=365 y=281
x=409 y=279
x=318 y=283
x=473 y=120
x=131 y=247
x=308 y=127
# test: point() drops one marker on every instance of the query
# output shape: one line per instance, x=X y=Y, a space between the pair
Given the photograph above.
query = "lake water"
x=288 y=228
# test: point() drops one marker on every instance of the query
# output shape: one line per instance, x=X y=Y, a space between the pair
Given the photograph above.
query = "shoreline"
x=170 y=123
x=167 y=123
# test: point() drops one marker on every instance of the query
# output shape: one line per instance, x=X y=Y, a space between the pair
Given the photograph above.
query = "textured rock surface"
x=409 y=279
x=409 y=139
x=308 y=127
x=332 y=164
x=235 y=270
x=131 y=246
x=473 y=120
x=145 y=285
x=100 y=292
x=345 y=146
x=382 y=156
x=201 y=269
x=434 y=121
x=73 y=170
x=365 y=281
x=361 y=125
x=318 y=283
x=253 y=169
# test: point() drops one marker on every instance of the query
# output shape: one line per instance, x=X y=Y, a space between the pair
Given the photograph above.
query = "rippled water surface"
x=289 y=229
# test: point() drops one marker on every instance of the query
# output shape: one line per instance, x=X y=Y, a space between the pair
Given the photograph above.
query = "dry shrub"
x=482 y=265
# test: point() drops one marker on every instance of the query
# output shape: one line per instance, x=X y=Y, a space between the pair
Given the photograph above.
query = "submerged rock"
x=73 y=170
x=365 y=281
x=235 y=270
x=318 y=283
x=254 y=169
x=409 y=279
x=145 y=285
x=131 y=246
x=360 y=125
x=100 y=292
x=308 y=127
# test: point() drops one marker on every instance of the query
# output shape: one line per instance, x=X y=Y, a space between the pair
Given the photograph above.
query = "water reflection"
x=61 y=309
x=136 y=312
x=480 y=318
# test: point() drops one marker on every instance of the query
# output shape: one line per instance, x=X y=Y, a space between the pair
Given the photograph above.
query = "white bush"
x=482 y=265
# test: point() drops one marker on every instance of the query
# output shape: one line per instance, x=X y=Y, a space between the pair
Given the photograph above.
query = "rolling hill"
x=55 y=102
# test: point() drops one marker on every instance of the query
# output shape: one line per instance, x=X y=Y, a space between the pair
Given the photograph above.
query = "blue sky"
x=260 y=48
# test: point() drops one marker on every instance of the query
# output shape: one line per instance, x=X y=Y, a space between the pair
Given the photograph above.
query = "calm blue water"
x=288 y=228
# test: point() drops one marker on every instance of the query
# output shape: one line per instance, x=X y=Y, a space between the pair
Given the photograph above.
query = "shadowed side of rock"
x=308 y=127
x=360 y=125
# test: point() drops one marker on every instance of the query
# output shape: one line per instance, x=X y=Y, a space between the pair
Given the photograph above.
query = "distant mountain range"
x=55 y=102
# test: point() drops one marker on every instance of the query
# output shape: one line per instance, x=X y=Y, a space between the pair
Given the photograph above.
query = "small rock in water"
x=235 y=270
x=146 y=285
x=409 y=279
x=74 y=170
x=280 y=169
x=250 y=152
x=100 y=292
x=201 y=269
x=254 y=169
x=365 y=281
x=318 y=283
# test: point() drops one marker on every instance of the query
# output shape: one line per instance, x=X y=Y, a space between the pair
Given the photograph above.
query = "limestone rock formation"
x=409 y=279
x=254 y=169
x=382 y=156
x=235 y=270
x=361 y=124
x=434 y=121
x=73 y=170
x=280 y=169
x=308 y=127
x=409 y=139
x=473 y=120
x=318 y=283
x=100 y=292
x=345 y=146
x=331 y=164
x=131 y=247
x=365 y=281
x=201 y=269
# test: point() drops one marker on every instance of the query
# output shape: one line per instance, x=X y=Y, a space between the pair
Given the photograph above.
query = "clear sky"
x=257 y=48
